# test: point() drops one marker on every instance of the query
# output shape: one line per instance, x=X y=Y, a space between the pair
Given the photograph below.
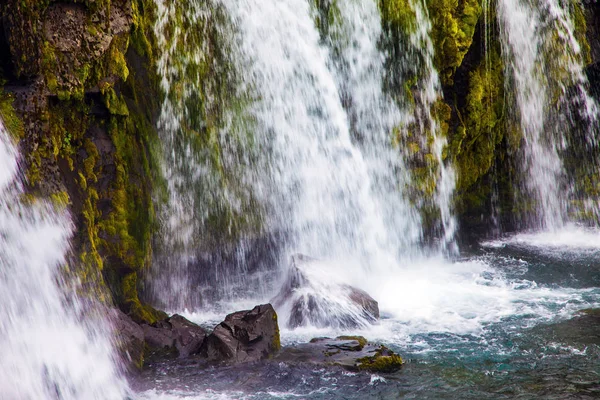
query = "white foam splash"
x=570 y=238
x=47 y=352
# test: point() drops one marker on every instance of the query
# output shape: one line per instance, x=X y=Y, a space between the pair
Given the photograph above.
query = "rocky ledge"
x=353 y=353
x=243 y=337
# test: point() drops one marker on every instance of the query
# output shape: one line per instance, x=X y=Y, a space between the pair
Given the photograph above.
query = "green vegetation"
x=453 y=26
x=362 y=341
x=7 y=112
x=102 y=166
x=383 y=360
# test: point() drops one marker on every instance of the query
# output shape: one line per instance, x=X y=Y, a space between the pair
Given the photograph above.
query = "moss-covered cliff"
x=80 y=76
x=480 y=121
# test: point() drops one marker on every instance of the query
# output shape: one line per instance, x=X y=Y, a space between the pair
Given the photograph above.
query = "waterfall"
x=323 y=168
x=323 y=186
x=47 y=352
x=545 y=65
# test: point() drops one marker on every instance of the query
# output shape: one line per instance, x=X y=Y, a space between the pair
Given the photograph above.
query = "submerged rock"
x=175 y=334
x=353 y=353
x=580 y=331
x=311 y=299
x=244 y=336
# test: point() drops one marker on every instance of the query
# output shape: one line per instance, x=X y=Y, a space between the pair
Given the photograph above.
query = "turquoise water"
x=531 y=342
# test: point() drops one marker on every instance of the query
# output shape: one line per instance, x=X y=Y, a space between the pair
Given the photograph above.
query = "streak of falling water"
x=546 y=63
x=323 y=166
x=431 y=92
x=334 y=176
x=48 y=352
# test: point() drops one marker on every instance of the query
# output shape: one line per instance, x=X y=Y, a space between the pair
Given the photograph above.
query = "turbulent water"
x=328 y=175
x=48 y=352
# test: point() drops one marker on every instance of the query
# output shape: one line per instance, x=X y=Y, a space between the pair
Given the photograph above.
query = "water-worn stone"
x=309 y=302
x=353 y=353
x=244 y=336
x=130 y=337
x=175 y=333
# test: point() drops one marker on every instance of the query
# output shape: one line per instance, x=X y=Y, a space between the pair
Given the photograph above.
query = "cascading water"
x=312 y=140
x=546 y=73
x=323 y=187
x=323 y=166
x=47 y=352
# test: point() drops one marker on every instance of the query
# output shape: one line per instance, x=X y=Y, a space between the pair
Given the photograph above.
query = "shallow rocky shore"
x=243 y=337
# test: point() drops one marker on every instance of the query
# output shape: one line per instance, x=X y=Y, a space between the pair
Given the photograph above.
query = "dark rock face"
x=244 y=336
x=130 y=338
x=175 y=333
x=353 y=353
x=310 y=302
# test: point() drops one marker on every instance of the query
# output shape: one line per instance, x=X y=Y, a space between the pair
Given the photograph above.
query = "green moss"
x=577 y=11
x=482 y=123
x=362 y=341
x=115 y=104
x=453 y=26
x=398 y=16
x=383 y=361
x=143 y=12
x=326 y=14
x=117 y=63
x=11 y=120
x=61 y=199
x=136 y=310
x=276 y=337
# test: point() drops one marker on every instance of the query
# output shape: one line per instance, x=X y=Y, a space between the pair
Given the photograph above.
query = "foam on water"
x=47 y=352
x=571 y=238
x=435 y=296
x=188 y=395
x=458 y=298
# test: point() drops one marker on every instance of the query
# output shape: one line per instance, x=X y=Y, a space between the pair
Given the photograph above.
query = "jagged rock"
x=130 y=337
x=175 y=333
x=244 y=336
x=310 y=301
x=353 y=353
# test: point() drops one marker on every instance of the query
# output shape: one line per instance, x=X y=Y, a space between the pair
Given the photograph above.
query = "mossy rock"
x=353 y=353
x=384 y=360
x=87 y=137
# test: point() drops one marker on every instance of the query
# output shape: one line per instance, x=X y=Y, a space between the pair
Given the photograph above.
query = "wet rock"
x=75 y=45
x=130 y=338
x=175 y=334
x=353 y=353
x=309 y=299
x=244 y=336
x=581 y=330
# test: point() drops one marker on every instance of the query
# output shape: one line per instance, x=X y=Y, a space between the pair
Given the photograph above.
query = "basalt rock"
x=244 y=336
x=353 y=353
x=130 y=338
x=175 y=334
x=309 y=300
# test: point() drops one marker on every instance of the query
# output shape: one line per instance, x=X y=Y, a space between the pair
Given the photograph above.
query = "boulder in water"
x=353 y=353
x=310 y=297
x=244 y=336
x=175 y=334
